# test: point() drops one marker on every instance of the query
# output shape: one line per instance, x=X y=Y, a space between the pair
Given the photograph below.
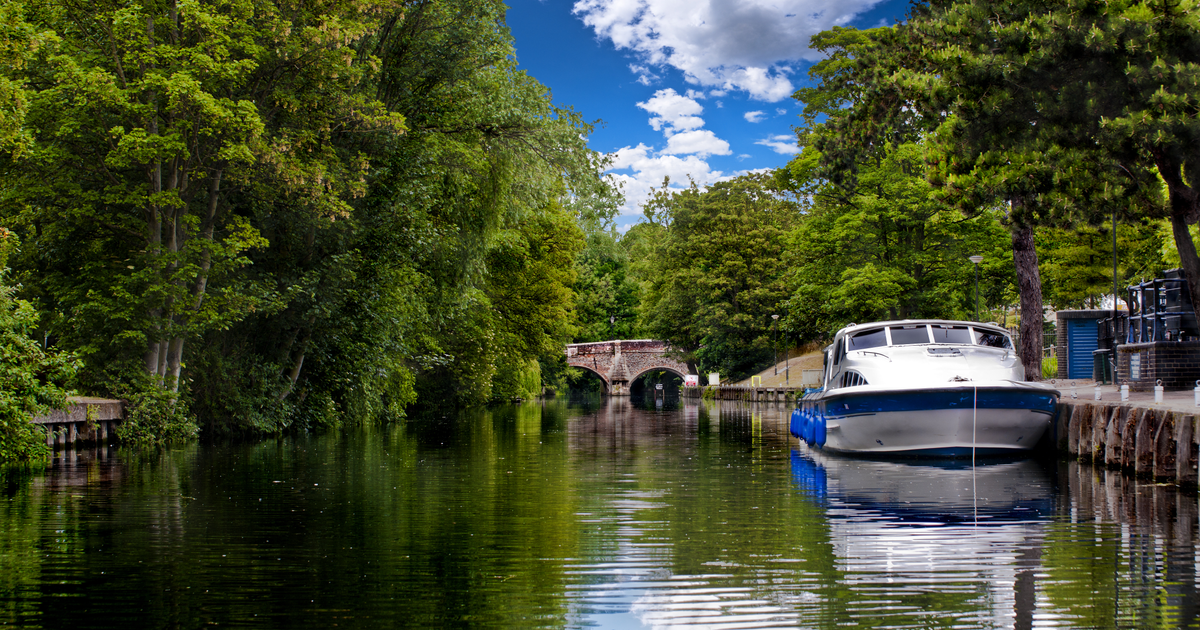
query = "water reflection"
x=614 y=514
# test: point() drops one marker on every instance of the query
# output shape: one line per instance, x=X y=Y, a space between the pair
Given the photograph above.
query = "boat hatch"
x=944 y=352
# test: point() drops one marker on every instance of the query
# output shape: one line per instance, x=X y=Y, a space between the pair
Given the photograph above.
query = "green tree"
x=33 y=380
x=888 y=249
x=607 y=295
x=298 y=216
x=713 y=280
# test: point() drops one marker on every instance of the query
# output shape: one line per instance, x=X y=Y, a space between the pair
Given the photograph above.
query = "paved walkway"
x=1085 y=390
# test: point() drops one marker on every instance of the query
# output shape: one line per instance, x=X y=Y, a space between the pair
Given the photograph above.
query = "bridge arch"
x=605 y=386
x=615 y=361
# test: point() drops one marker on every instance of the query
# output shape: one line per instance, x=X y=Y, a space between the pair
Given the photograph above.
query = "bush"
x=154 y=416
x=1050 y=367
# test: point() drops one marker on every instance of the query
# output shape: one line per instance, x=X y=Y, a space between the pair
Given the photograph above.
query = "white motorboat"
x=924 y=387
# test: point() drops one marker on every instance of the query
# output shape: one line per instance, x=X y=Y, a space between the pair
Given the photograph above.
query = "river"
x=602 y=515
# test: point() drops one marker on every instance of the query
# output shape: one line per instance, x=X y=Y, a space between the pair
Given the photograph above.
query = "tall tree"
x=716 y=276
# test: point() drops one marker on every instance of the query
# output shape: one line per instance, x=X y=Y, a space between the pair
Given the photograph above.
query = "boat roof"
x=852 y=328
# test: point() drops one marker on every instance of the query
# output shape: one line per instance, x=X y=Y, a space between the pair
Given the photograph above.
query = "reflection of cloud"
x=748 y=45
x=782 y=143
x=754 y=116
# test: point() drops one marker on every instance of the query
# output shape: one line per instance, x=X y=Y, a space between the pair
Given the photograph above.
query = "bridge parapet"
x=621 y=361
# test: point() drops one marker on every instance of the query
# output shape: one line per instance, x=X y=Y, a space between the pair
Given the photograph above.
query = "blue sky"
x=682 y=87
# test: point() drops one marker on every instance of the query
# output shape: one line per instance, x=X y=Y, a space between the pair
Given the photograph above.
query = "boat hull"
x=942 y=421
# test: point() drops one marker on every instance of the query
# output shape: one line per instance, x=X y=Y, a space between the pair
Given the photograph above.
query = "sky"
x=698 y=89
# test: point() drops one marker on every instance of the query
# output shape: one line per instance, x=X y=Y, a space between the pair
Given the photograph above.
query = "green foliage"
x=714 y=273
x=607 y=296
x=294 y=216
x=1077 y=263
x=887 y=249
x=33 y=380
x=155 y=416
x=1050 y=367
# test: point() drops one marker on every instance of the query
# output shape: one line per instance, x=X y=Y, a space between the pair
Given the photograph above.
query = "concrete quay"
x=85 y=419
x=1142 y=437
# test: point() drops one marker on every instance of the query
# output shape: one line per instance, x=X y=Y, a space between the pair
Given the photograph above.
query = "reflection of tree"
x=540 y=515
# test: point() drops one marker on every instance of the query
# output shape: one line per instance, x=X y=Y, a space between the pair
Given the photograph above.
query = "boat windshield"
x=866 y=339
x=908 y=335
x=951 y=334
x=993 y=340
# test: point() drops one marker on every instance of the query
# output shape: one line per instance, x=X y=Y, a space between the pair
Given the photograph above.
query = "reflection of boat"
x=966 y=541
x=924 y=387
x=931 y=491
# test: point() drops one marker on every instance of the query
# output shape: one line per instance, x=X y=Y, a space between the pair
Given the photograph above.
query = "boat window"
x=951 y=334
x=908 y=335
x=866 y=339
x=993 y=339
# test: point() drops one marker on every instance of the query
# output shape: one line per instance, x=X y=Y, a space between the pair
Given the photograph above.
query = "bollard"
x=1124 y=393
x=1196 y=393
x=1158 y=391
x=1074 y=392
x=1098 y=392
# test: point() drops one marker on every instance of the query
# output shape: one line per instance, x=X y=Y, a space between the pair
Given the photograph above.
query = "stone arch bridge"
x=619 y=363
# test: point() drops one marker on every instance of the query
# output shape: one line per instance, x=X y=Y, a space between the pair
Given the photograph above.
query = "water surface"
x=550 y=515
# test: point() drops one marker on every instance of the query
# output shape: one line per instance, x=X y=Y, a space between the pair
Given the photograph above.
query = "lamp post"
x=976 y=259
x=775 y=319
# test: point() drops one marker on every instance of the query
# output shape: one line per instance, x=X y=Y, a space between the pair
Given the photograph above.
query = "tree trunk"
x=1184 y=201
x=1029 y=287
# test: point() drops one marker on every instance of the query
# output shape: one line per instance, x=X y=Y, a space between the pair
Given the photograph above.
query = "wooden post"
x=1185 y=452
x=1143 y=465
x=1129 y=439
x=1164 y=447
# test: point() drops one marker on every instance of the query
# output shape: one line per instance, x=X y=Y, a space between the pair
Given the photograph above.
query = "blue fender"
x=794 y=425
x=807 y=431
x=819 y=430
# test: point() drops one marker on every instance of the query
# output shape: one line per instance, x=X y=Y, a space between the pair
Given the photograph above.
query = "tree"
x=888 y=249
x=32 y=379
x=607 y=296
x=716 y=276
x=296 y=216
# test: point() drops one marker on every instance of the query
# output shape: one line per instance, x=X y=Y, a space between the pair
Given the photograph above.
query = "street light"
x=776 y=320
x=976 y=259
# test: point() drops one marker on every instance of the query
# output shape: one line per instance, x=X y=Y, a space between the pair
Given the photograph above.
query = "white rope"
x=974 y=414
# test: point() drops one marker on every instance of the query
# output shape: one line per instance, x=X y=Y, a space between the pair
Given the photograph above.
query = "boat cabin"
x=913 y=344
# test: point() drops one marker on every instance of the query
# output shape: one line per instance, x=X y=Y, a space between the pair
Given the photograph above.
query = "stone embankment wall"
x=1147 y=442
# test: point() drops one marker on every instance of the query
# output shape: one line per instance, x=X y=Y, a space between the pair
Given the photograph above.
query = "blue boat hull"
x=952 y=421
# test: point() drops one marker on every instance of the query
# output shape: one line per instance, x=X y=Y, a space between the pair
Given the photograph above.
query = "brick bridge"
x=619 y=363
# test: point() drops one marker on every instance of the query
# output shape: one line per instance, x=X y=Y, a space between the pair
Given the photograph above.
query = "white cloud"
x=754 y=116
x=746 y=45
x=696 y=95
x=675 y=112
x=645 y=172
x=645 y=75
x=701 y=142
x=780 y=111
x=782 y=143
